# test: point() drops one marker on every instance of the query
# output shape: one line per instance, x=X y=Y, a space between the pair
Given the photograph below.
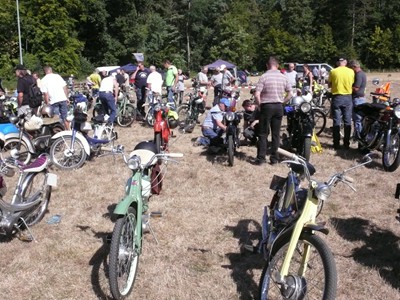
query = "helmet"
x=34 y=123
x=172 y=123
x=225 y=101
x=307 y=97
x=202 y=89
x=296 y=100
x=375 y=81
x=120 y=96
x=47 y=110
x=249 y=133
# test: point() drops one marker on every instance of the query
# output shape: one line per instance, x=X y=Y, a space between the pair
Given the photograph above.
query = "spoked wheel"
x=319 y=121
x=150 y=117
x=184 y=116
x=306 y=148
x=391 y=156
x=316 y=280
x=35 y=187
x=124 y=255
x=126 y=115
x=66 y=158
x=12 y=143
x=231 y=151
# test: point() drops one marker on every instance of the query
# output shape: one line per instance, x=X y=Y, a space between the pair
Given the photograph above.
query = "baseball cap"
x=20 y=67
x=341 y=59
x=225 y=101
x=222 y=67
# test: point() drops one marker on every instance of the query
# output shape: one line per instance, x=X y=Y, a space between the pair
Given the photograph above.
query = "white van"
x=299 y=68
x=107 y=69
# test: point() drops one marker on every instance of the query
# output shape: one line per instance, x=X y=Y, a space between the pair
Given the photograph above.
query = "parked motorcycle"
x=164 y=120
x=233 y=133
x=380 y=131
x=188 y=113
x=300 y=126
x=34 y=134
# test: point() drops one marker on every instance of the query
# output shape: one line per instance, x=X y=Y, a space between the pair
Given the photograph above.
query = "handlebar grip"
x=174 y=155
x=348 y=179
x=286 y=153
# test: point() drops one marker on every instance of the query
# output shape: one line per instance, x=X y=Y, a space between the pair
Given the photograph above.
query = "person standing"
x=171 y=80
x=202 y=78
x=291 y=75
x=55 y=93
x=95 y=79
x=216 y=83
x=307 y=80
x=154 y=82
x=227 y=79
x=108 y=95
x=269 y=96
x=341 y=81
x=358 y=95
x=323 y=74
x=181 y=86
x=24 y=81
x=140 y=76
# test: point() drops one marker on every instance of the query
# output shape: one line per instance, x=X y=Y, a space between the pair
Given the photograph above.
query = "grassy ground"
x=208 y=209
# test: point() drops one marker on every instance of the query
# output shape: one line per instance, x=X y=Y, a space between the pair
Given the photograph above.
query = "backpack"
x=35 y=96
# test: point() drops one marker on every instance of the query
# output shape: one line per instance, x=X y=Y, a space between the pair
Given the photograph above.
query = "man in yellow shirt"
x=95 y=79
x=341 y=81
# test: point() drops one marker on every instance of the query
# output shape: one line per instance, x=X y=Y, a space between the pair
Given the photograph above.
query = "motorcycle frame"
x=161 y=125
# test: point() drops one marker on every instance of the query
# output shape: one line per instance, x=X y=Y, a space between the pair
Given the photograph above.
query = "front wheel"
x=306 y=148
x=67 y=156
x=319 y=121
x=124 y=255
x=157 y=141
x=316 y=280
x=126 y=115
x=391 y=156
x=35 y=187
x=12 y=143
x=231 y=151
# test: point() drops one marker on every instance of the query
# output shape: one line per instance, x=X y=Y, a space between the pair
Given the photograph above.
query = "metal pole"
x=19 y=36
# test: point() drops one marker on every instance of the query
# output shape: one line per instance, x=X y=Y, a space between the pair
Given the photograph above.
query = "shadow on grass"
x=243 y=264
x=380 y=251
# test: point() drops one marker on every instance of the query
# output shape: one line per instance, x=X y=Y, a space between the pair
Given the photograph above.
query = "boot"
x=347 y=135
x=336 y=137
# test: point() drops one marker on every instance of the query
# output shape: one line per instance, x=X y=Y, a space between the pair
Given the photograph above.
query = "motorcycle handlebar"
x=287 y=154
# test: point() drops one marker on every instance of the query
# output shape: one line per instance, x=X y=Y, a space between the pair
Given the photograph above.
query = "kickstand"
x=152 y=232
x=32 y=237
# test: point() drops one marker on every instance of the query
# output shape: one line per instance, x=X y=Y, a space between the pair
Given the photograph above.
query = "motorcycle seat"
x=370 y=108
x=38 y=165
x=299 y=169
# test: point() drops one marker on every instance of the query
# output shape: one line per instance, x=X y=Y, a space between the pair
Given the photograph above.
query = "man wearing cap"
x=341 y=81
x=227 y=78
x=23 y=84
x=270 y=97
x=108 y=95
x=213 y=127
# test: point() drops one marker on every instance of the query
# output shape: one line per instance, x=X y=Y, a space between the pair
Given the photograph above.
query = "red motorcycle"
x=165 y=119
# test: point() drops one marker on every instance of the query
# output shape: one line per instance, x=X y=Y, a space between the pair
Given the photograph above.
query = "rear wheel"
x=124 y=255
x=66 y=158
x=316 y=280
x=391 y=156
x=126 y=115
x=231 y=150
x=183 y=115
x=150 y=117
x=319 y=121
x=13 y=143
x=35 y=187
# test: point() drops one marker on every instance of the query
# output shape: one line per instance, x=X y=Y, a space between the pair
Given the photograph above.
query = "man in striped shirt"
x=270 y=97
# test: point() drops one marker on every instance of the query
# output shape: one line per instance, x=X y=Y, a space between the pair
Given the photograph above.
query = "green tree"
x=380 y=49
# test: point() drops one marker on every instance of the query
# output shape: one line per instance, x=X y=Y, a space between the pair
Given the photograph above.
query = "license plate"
x=52 y=179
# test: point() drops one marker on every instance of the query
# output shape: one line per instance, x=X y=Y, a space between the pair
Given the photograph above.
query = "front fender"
x=78 y=135
x=27 y=140
x=132 y=188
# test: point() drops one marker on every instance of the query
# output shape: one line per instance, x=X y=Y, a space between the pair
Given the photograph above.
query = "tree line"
x=74 y=36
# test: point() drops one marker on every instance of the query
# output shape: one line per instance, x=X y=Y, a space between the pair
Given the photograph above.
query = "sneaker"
x=273 y=161
x=260 y=161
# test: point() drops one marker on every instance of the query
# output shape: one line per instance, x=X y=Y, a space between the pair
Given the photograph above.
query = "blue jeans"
x=108 y=103
x=61 y=109
x=141 y=99
x=170 y=94
x=342 y=108
x=213 y=135
x=356 y=117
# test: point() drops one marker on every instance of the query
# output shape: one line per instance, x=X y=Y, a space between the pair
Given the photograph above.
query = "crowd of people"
x=262 y=117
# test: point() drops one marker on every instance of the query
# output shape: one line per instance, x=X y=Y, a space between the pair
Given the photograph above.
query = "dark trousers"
x=270 y=117
x=141 y=99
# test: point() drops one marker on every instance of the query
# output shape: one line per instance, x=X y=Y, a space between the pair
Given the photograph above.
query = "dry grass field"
x=208 y=210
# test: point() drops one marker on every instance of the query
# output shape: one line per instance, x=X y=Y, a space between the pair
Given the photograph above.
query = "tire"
x=183 y=115
x=391 y=158
x=150 y=117
x=126 y=116
x=231 y=151
x=319 y=121
x=124 y=255
x=64 y=160
x=98 y=110
x=11 y=143
x=157 y=141
x=306 y=148
x=34 y=186
x=320 y=264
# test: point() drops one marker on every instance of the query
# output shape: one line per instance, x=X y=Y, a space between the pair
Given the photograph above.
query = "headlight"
x=397 y=111
x=323 y=192
x=305 y=107
x=230 y=116
x=134 y=162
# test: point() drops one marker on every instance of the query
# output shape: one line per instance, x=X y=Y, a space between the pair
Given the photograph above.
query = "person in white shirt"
x=291 y=75
x=154 y=82
x=108 y=95
x=55 y=92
